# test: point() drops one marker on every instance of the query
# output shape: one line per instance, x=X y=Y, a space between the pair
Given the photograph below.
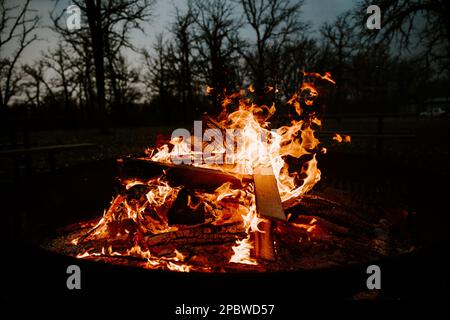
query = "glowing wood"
x=268 y=205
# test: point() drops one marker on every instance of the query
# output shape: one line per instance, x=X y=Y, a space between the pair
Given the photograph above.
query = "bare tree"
x=107 y=31
x=37 y=78
x=157 y=77
x=180 y=58
x=32 y=88
x=60 y=63
x=216 y=32
x=297 y=56
x=274 y=22
x=339 y=38
x=127 y=81
x=412 y=25
x=16 y=31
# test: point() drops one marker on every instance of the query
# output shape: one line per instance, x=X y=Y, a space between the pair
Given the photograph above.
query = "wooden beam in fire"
x=191 y=176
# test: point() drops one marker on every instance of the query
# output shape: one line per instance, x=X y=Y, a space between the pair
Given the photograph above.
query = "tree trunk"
x=38 y=95
x=2 y=107
x=93 y=11
x=89 y=90
x=117 y=102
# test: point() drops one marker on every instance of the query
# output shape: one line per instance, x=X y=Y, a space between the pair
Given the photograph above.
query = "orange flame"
x=255 y=145
x=337 y=137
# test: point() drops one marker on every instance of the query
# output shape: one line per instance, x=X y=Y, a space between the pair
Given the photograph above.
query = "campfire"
x=235 y=195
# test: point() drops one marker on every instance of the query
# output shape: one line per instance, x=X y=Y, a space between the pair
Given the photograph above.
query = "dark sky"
x=314 y=11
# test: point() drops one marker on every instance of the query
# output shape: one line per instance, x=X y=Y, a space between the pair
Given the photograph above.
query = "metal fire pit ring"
x=81 y=192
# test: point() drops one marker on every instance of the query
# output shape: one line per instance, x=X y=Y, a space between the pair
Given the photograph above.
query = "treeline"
x=89 y=80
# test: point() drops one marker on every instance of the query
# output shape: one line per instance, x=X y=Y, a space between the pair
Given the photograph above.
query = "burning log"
x=186 y=210
x=330 y=210
x=263 y=241
x=268 y=204
x=181 y=174
x=268 y=201
x=309 y=224
x=197 y=235
x=117 y=201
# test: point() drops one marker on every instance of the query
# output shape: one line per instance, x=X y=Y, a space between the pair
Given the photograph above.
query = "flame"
x=257 y=145
x=83 y=255
x=337 y=137
x=253 y=145
x=243 y=247
x=171 y=263
x=308 y=227
x=242 y=252
x=131 y=183
x=309 y=93
x=326 y=76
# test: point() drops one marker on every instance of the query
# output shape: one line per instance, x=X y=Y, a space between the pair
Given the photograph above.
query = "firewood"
x=183 y=214
x=329 y=210
x=188 y=175
x=197 y=235
x=263 y=241
x=116 y=202
x=268 y=205
x=268 y=201
x=321 y=223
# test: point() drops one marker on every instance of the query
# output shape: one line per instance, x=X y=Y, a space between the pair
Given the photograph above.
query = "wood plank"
x=268 y=200
x=184 y=174
x=263 y=242
x=268 y=205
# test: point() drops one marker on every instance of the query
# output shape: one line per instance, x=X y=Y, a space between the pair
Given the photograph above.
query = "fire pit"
x=328 y=228
x=56 y=204
x=234 y=197
x=229 y=227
